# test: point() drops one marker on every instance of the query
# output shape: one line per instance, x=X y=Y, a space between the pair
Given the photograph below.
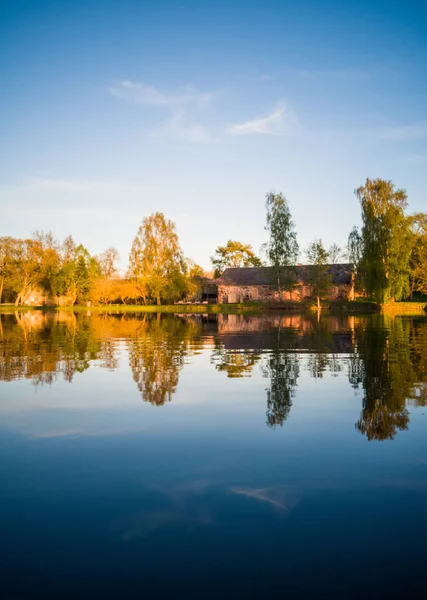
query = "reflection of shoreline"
x=297 y=333
x=385 y=358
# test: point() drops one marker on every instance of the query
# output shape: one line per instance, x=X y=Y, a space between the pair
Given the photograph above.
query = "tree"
x=127 y=290
x=104 y=291
x=8 y=258
x=156 y=260
x=335 y=253
x=234 y=254
x=282 y=246
x=107 y=262
x=319 y=277
x=29 y=268
x=78 y=273
x=418 y=262
x=354 y=255
x=386 y=240
x=194 y=278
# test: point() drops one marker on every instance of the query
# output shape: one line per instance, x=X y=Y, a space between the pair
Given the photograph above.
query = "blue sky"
x=110 y=111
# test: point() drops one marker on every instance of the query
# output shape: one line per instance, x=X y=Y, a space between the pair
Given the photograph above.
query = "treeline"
x=389 y=255
x=67 y=274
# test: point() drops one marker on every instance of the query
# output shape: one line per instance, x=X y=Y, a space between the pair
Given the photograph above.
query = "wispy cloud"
x=181 y=105
x=141 y=93
x=406 y=132
x=178 y=126
x=279 y=122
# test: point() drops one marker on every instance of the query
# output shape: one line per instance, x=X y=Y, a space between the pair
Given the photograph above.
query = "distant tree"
x=354 y=255
x=354 y=247
x=234 y=254
x=107 y=262
x=68 y=249
x=282 y=246
x=29 y=264
x=156 y=260
x=50 y=261
x=319 y=278
x=194 y=275
x=386 y=240
x=335 y=253
x=104 y=291
x=77 y=275
x=127 y=291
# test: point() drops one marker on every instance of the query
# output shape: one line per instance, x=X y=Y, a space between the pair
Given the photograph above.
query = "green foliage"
x=320 y=280
x=418 y=261
x=234 y=254
x=282 y=246
x=77 y=276
x=354 y=254
x=386 y=240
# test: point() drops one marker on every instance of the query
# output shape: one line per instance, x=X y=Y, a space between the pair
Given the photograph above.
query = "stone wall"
x=232 y=294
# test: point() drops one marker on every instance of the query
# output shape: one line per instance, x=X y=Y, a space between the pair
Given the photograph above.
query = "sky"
x=113 y=110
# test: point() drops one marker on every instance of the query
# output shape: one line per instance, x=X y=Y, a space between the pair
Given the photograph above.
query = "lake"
x=213 y=456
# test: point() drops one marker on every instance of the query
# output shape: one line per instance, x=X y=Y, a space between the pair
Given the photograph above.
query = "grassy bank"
x=138 y=308
x=405 y=308
x=354 y=307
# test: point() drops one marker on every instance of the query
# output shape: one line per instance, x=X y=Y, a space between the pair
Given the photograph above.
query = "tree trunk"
x=318 y=303
x=1 y=286
x=158 y=301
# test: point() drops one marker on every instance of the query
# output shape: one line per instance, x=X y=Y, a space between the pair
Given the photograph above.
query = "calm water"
x=149 y=455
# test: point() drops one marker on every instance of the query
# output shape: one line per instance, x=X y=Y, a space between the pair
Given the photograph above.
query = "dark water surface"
x=231 y=456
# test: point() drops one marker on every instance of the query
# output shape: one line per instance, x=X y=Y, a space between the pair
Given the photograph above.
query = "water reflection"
x=157 y=353
x=383 y=359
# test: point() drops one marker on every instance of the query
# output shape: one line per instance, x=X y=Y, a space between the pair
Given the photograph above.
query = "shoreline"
x=397 y=308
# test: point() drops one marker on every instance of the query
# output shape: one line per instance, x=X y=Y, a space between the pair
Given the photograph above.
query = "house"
x=257 y=284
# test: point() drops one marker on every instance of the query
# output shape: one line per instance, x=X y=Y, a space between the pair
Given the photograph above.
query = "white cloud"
x=279 y=122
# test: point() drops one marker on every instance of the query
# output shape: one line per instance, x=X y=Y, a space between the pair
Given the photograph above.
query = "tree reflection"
x=283 y=370
x=382 y=365
x=41 y=346
x=386 y=357
x=158 y=354
x=236 y=363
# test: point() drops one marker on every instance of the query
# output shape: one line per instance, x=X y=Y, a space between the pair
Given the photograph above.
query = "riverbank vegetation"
x=388 y=254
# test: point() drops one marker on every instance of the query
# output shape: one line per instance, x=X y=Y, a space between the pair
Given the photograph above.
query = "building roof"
x=341 y=274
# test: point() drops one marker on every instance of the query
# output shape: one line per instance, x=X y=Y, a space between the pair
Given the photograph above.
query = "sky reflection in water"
x=152 y=452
